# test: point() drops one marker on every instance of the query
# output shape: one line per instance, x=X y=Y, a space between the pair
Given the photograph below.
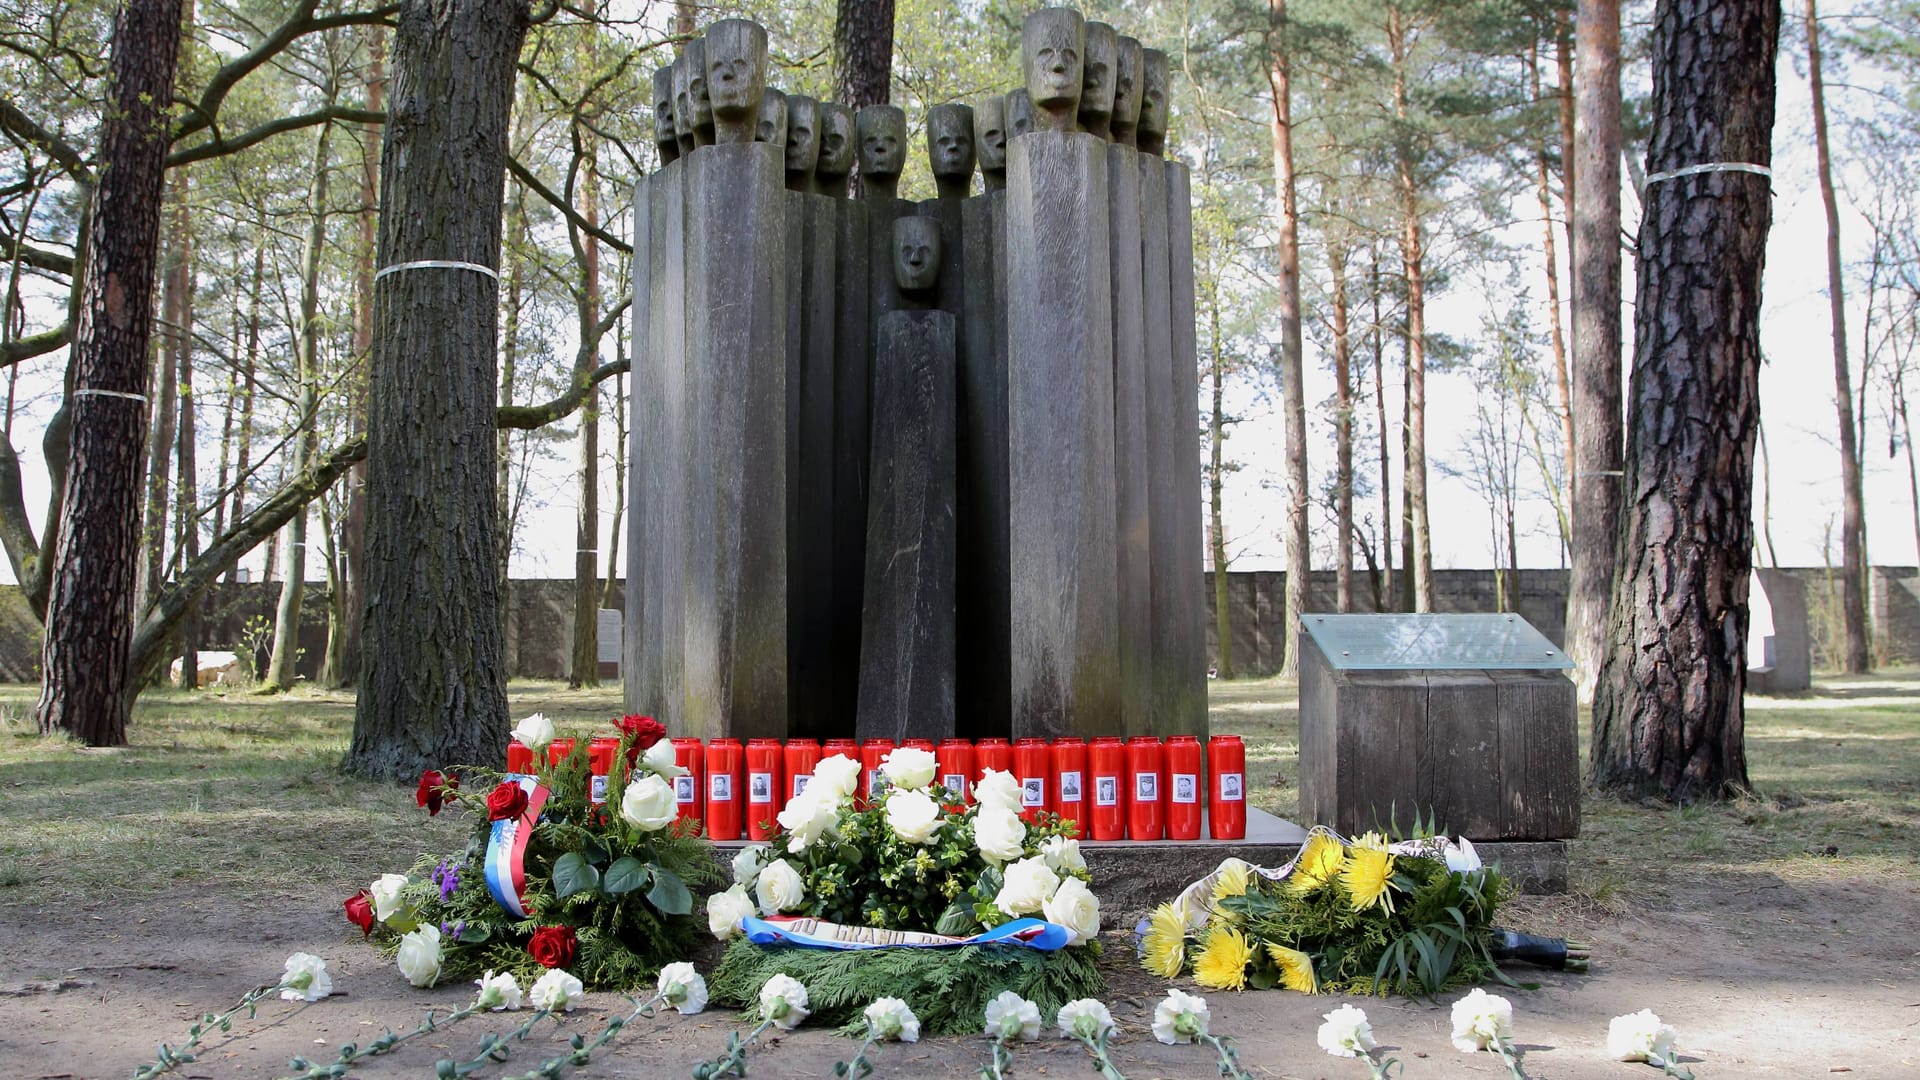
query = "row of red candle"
x=1142 y=788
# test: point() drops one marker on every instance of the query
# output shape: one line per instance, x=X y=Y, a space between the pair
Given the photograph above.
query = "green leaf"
x=669 y=893
x=625 y=875
x=957 y=920
x=572 y=873
x=474 y=933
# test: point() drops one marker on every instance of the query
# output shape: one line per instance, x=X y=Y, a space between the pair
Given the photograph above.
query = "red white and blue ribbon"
x=506 y=861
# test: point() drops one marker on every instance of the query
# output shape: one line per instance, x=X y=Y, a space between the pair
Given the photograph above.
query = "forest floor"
x=143 y=886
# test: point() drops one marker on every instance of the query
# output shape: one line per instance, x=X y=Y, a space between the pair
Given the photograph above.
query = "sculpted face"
x=1152 y=130
x=990 y=132
x=700 y=105
x=736 y=66
x=1097 y=87
x=1019 y=113
x=1129 y=75
x=772 y=126
x=803 y=144
x=836 y=140
x=682 y=101
x=664 y=136
x=916 y=253
x=1052 y=45
x=950 y=141
x=882 y=132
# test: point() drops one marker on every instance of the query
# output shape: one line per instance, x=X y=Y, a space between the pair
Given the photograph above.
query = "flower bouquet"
x=914 y=868
x=565 y=869
x=1363 y=917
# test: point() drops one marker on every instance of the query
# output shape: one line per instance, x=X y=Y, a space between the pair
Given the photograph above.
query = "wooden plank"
x=1460 y=790
x=1381 y=723
x=1539 y=756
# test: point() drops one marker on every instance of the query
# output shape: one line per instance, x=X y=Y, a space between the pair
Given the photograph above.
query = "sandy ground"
x=1763 y=976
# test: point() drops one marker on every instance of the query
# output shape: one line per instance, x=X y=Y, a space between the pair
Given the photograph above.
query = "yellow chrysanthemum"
x=1232 y=881
x=1222 y=963
x=1366 y=875
x=1296 y=968
x=1166 y=942
x=1318 y=865
x=1372 y=839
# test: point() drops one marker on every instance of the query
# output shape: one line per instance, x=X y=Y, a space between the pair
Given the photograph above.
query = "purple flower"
x=447 y=876
x=453 y=930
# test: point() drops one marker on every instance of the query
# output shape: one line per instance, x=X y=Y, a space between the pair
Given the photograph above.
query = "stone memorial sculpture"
x=1052 y=46
x=803 y=143
x=990 y=139
x=1129 y=76
x=950 y=149
x=835 y=159
x=699 y=95
x=772 y=125
x=665 y=139
x=916 y=256
x=736 y=67
x=880 y=132
x=1020 y=119
x=1101 y=65
x=683 y=127
x=1151 y=134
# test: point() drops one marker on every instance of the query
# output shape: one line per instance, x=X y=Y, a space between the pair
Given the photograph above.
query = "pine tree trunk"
x=863 y=53
x=1293 y=395
x=173 y=286
x=1413 y=258
x=585 y=666
x=1668 y=718
x=1380 y=420
x=432 y=689
x=96 y=559
x=1342 y=426
x=608 y=599
x=1596 y=478
x=186 y=512
x=1558 y=342
x=1216 y=484
x=353 y=527
x=1853 y=527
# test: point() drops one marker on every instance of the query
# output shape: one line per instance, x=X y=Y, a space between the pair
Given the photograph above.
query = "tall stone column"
x=1167 y=488
x=984 y=681
x=658 y=553
x=1133 y=461
x=813 y=237
x=1188 y=661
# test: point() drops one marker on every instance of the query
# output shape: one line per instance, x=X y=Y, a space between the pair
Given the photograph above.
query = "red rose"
x=360 y=912
x=434 y=790
x=554 y=946
x=644 y=731
x=505 y=802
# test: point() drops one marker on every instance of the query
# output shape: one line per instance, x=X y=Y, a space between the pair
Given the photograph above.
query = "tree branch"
x=39 y=258
x=533 y=184
x=298 y=22
x=527 y=417
x=219 y=145
x=33 y=345
x=63 y=153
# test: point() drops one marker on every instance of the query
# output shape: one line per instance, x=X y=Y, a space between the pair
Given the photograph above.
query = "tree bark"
x=186 y=514
x=1668 y=717
x=432 y=687
x=250 y=382
x=175 y=270
x=863 y=52
x=1596 y=479
x=1342 y=425
x=95 y=561
x=585 y=659
x=1378 y=334
x=1413 y=258
x=1293 y=394
x=1216 y=483
x=1549 y=251
x=353 y=530
x=1853 y=517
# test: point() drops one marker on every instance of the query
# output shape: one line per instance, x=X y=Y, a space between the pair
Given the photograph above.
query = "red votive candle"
x=1069 y=782
x=872 y=753
x=992 y=754
x=1144 y=817
x=1227 y=787
x=763 y=787
x=1107 y=773
x=921 y=744
x=689 y=790
x=559 y=750
x=519 y=757
x=955 y=758
x=801 y=756
x=724 y=768
x=1182 y=767
x=600 y=754
x=1032 y=761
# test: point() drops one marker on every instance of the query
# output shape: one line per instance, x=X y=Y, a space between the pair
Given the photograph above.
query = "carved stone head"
x=803 y=142
x=881 y=134
x=772 y=126
x=700 y=106
x=950 y=148
x=916 y=253
x=1052 y=44
x=835 y=160
x=1129 y=75
x=990 y=139
x=736 y=66
x=683 y=102
x=665 y=139
x=1152 y=131
x=1101 y=64
x=1019 y=113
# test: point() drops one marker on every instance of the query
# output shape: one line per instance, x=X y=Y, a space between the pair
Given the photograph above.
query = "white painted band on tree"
x=436 y=264
x=1601 y=472
x=1695 y=170
x=88 y=391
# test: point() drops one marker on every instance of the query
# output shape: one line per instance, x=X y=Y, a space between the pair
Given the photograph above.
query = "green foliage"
x=948 y=989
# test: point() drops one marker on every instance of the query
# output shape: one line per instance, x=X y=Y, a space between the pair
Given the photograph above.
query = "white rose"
x=1084 y=1019
x=726 y=909
x=1063 y=853
x=1480 y=1020
x=386 y=895
x=660 y=758
x=913 y=816
x=556 y=991
x=784 y=1001
x=1074 y=906
x=909 y=767
x=1346 y=1033
x=648 y=804
x=999 y=833
x=889 y=1018
x=497 y=992
x=1635 y=1037
x=748 y=863
x=306 y=978
x=683 y=988
x=997 y=788
x=837 y=777
x=419 y=956
x=534 y=732
x=1011 y=1018
x=1180 y=1018
x=808 y=818
x=1028 y=885
x=780 y=888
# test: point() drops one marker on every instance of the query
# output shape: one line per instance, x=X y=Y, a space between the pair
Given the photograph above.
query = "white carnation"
x=1639 y=1037
x=1480 y=1020
x=1180 y=1018
x=999 y=833
x=1011 y=1017
x=1074 y=906
x=1346 y=1033
x=419 y=955
x=556 y=991
x=784 y=1001
x=779 y=888
x=534 y=732
x=683 y=988
x=1084 y=1019
x=913 y=815
x=909 y=767
x=889 y=1018
x=726 y=909
x=306 y=978
x=1027 y=886
x=497 y=992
